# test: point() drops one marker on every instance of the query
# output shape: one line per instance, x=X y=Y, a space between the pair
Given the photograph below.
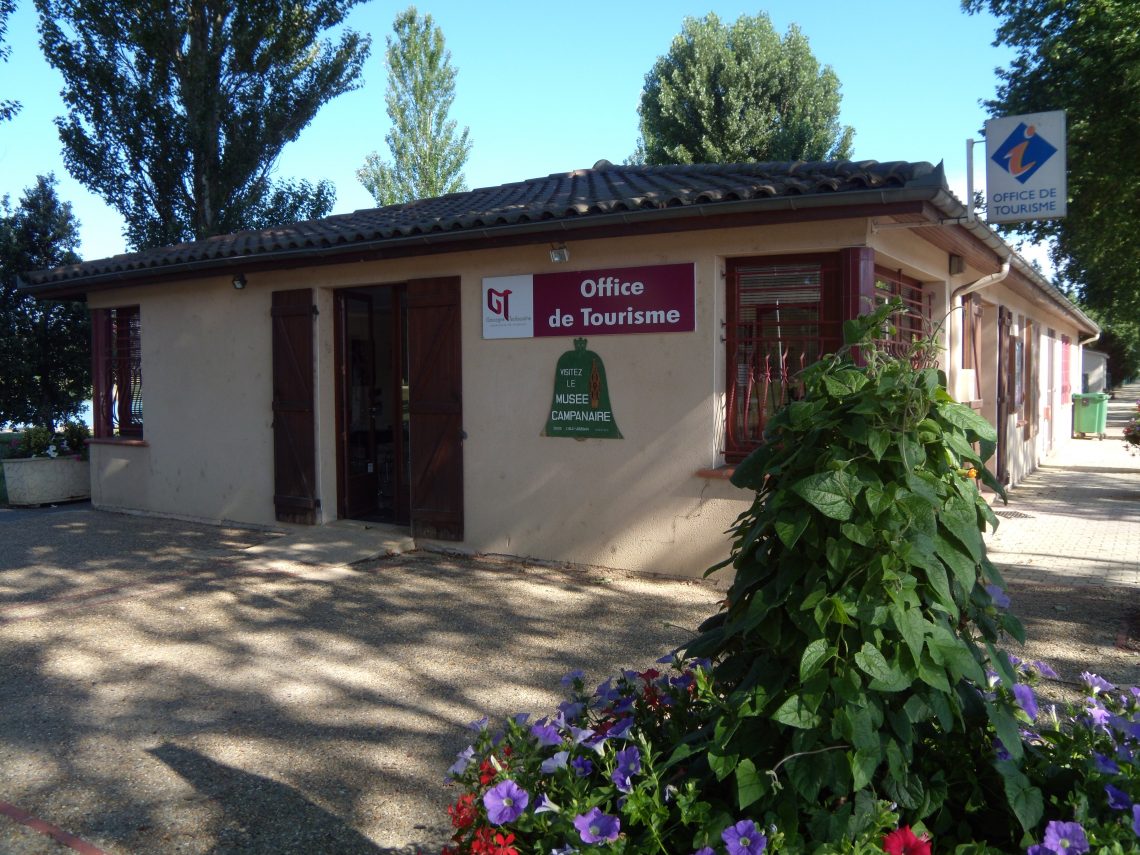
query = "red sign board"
x=615 y=301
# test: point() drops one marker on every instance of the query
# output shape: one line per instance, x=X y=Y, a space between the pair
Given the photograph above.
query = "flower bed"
x=852 y=695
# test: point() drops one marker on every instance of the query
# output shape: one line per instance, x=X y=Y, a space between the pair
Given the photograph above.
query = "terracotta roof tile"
x=573 y=196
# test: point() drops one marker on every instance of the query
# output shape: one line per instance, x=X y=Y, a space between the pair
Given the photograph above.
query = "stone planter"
x=46 y=480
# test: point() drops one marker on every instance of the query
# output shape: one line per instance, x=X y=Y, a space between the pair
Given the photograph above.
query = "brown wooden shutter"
x=435 y=408
x=294 y=432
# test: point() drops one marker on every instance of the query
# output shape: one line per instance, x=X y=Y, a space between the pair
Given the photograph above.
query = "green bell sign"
x=580 y=407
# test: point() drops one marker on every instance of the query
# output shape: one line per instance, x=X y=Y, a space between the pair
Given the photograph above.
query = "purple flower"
x=568 y=713
x=478 y=725
x=1026 y=700
x=552 y=764
x=546 y=735
x=505 y=802
x=462 y=761
x=744 y=839
x=575 y=676
x=629 y=760
x=667 y=659
x=582 y=735
x=621 y=729
x=623 y=706
x=582 y=766
x=545 y=805
x=1098 y=716
x=1105 y=764
x=706 y=851
x=1000 y=750
x=520 y=718
x=1045 y=671
x=1117 y=799
x=595 y=826
x=1094 y=683
x=1136 y=819
x=606 y=691
x=1066 y=838
x=998 y=596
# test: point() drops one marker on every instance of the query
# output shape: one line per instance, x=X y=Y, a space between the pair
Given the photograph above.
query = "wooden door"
x=356 y=363
x=294 y=433
x=435 y=408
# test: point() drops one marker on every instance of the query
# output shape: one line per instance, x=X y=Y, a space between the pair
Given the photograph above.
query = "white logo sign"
x=508 y=307
x=1025 y=168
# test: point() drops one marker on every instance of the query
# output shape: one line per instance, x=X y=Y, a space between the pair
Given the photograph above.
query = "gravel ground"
x=214 y=709
x=161 y=693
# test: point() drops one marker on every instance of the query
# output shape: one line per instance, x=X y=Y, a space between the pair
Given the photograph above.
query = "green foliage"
x=177 y=112
x=1083 y=58
x=7 y=108
x=427 y=155
x=858 y=629
x=45 y=349
x=39 y=441
x=730 y=94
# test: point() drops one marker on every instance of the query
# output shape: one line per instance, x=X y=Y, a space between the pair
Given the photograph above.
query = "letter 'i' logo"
x=499 y=302
x=1023 y=152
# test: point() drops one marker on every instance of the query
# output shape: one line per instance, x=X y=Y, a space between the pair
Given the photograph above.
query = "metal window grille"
x=773 y=332
x=118 y=375
x=909 y=326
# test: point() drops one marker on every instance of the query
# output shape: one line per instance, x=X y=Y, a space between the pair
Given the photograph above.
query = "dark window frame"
x=757 y=324
x=117 y=408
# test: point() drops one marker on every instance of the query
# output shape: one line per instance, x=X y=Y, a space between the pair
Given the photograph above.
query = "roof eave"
x=563 y=226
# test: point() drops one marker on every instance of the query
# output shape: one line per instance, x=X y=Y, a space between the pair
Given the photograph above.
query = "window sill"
x=720 y=473
x=114 y=440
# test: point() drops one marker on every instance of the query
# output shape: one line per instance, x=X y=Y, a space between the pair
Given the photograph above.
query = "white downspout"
x=986 y=281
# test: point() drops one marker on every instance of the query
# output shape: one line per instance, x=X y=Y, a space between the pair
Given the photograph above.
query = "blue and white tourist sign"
x=1025 y=168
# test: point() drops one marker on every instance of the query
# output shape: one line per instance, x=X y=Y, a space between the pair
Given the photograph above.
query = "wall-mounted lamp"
x=559 y=254
x=239 y=281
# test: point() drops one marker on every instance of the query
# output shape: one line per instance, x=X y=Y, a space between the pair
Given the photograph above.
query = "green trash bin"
x=1090 y=414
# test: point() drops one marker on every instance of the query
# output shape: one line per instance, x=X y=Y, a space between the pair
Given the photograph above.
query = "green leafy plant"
x=850 y=697
x=858 y=630
x=70 y=441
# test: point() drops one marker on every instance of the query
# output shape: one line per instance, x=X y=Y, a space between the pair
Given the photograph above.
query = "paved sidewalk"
x=1069 y=549
x=1077 y=518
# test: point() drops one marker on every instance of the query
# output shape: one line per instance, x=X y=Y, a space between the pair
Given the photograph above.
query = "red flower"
x=902 y=841
x=502 y=846
x=481 y=843
x=463 y=812
x=649 y=675
x=487 y=772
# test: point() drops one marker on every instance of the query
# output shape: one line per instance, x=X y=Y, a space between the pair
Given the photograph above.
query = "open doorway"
x=373 y=436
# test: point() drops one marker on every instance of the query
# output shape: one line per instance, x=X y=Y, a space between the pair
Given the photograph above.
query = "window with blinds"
x=117 y=352
x=777 y=324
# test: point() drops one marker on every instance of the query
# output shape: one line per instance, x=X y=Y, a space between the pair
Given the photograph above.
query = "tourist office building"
x=565 y=368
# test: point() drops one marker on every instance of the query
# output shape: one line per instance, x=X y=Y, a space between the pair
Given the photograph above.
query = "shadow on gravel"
x=260 y=815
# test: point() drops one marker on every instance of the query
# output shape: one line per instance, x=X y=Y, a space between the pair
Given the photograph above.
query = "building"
x=563 y=368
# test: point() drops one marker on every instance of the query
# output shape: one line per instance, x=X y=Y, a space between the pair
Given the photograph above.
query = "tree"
x=1084 y=58
x=177 y=112
x=740 y=93
x=427 y=155
x=45 y=348
x=7 y=108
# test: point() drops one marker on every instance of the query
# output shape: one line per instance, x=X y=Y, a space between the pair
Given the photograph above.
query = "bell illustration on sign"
x=580 y=407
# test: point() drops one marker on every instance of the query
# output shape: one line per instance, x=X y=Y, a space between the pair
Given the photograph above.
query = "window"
x=117 y=372
x=783 y=313
x=911 y=324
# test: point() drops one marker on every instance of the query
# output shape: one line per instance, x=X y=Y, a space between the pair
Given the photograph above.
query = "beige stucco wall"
x=635 y=503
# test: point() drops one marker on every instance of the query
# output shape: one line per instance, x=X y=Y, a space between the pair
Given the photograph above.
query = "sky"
x=550 y=87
